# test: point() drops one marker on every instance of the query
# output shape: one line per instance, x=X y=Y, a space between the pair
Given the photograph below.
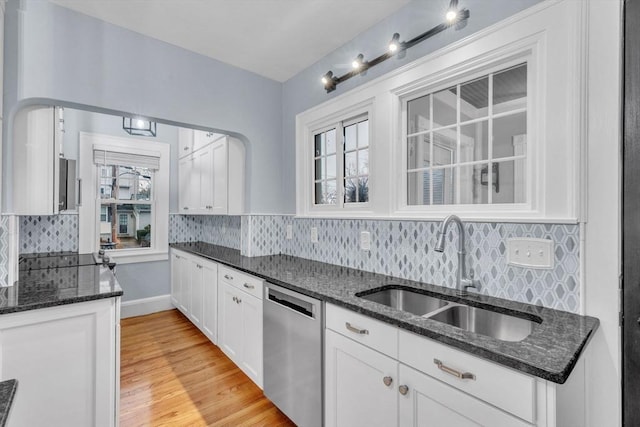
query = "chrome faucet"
x=462 y=280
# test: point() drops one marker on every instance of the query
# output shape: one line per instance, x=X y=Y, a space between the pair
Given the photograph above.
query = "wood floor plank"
x=172 y=375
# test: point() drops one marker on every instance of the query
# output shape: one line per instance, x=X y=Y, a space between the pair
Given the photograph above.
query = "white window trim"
x=88 y=211
x=550 y=34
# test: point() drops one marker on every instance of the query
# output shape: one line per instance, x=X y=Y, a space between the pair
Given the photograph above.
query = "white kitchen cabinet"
x=212 y=178
x=240 y=320
x=194 y=290
x=426 y=388
x=360 y=384
x=66 y=360
x=190 y=140
x=36 y=152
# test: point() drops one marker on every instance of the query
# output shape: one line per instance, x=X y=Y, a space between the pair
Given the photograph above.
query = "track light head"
x=452 y=13
x=394 y=44
x=329 y=81
x=358 y=62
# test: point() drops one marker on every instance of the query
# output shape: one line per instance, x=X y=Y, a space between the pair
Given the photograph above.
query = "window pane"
x=350 y=137
x=125 y=226
x=511 y=182
x=474 y=99
x=363 y=134
x=125 y=183
x=506 y=131
x=418 y=188
x=331 y=166
x=325 y=192
x=320 y=172
x=331 y=141
x=418 y=115
x=444 y=107
x=319 y=144
x=443 y=186
x=510 y=89
x=363 y=162
x=350 y=190
x=444 y=147
x=363 y=189
x=350 y=164
x=472 y=191
x=418 y=154
x=474 y=141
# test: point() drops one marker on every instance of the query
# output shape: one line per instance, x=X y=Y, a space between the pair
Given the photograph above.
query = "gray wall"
x=304 y=90
x=58 y=54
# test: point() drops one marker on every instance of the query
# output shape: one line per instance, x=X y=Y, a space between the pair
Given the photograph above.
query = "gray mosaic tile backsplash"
x=405 y=249
x=4 y=250
x=52 y=233
x=220 y=230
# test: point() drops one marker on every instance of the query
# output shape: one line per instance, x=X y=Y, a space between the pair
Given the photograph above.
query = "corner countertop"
x=549 y=352
x=7 y=393
x=49 y=287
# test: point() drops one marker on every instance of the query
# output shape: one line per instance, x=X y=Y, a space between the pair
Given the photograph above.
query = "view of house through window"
x=341 y=163
x=125 y=206
x=467 y=144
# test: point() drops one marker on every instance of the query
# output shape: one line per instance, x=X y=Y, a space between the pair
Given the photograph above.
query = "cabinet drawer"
x=363 y=329
x=249 y=284
x=502 y=387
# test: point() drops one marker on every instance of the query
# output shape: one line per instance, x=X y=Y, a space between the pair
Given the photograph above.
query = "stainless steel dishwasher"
x=293 y=354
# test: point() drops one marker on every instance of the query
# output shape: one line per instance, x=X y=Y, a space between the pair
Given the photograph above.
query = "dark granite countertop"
x=48 y=287
x=7 y=393
x=549 y=352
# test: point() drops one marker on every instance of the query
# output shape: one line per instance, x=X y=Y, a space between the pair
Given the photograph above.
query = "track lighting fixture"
x=453 y=18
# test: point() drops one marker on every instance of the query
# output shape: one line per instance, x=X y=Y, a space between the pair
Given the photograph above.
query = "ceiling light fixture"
x=454 y=17
x=139 y=126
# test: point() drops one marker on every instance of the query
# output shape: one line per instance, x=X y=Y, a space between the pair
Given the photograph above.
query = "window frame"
x=90 y=210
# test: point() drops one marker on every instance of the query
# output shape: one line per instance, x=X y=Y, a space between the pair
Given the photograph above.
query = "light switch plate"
x=365 y=240
x=314 y=234
x=530 y=253
x=289 y=231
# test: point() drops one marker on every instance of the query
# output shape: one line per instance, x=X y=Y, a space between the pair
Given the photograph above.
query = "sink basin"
x=406 y=300
x=485 y=322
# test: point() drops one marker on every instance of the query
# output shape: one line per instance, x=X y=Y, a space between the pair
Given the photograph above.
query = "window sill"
x=137 y=256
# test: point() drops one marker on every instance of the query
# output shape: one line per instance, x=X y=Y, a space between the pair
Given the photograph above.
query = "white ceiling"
x=273 y=38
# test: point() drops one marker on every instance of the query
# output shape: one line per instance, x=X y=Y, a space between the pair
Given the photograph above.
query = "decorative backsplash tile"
x=220 y=230
x=264 y=234
x=48 y=233
x=4 y=250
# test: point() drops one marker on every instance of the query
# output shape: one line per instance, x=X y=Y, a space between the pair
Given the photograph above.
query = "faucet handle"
x=471 y=281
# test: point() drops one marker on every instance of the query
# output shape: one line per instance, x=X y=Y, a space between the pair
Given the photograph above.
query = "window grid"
x=357 y=179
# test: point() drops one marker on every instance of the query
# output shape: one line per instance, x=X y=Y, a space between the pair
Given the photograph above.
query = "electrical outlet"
x=314 y=234
x=289 y=232
x=531 y=253
x=365 y=240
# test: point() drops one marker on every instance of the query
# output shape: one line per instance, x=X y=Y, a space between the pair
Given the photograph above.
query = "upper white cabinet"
x=37 y=140
x=211 y=174
x=2 y=6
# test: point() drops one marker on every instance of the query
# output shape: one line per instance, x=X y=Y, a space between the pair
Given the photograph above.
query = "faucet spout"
x=463 y=281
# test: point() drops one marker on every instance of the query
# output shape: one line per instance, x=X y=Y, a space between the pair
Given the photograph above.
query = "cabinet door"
x=186 y=183
x=65 y=360
x=185 y=142
x=355 y=390
x=219 y=168
x=184 y=297
x=429 y=402
x=230 y=317
x=252 y=332
x=204 y=166
x=176 y=279
x=210 y=301
x=197 y=292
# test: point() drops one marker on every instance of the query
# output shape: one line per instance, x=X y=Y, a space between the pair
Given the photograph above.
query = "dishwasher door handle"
x=301 y=306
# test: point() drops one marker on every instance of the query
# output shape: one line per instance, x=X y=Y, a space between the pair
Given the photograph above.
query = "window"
x=129 y=217
x=341 y=163
x=456 y=135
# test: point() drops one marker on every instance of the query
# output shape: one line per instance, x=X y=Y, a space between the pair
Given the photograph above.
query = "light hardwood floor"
x=172 y=375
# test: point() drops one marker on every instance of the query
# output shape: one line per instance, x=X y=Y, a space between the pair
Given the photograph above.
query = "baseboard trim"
x=140 y=307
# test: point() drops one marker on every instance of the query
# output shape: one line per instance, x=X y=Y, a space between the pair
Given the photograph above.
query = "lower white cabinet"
x=240 y=321
x=66 y=360
x=194 y=290
x=378 y=375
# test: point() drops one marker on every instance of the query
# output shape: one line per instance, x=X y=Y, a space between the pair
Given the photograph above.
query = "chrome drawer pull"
x=226 y=276
x=455 y=373
x=356 y=330
x=248 y=286
x=403 y=389
x=387 y=381
x=234 y=299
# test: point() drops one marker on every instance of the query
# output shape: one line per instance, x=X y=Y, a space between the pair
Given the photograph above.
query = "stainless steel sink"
x=485 y=322
x=406 y=300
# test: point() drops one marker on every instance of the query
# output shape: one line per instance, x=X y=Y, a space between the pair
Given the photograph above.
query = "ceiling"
x=273 y=38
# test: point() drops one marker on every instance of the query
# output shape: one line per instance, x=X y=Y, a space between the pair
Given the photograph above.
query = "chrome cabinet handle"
x=185 y=208
x=387 y=381
x=248 y=286
x=356 y=330
x=186 y=148
x=226 y=276
x=238 y=300
x=403 y=389
x=234 y=299
x=454 y=372
x=198 y=265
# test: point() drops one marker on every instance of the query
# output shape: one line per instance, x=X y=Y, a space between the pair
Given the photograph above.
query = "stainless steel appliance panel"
x=293 y=349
